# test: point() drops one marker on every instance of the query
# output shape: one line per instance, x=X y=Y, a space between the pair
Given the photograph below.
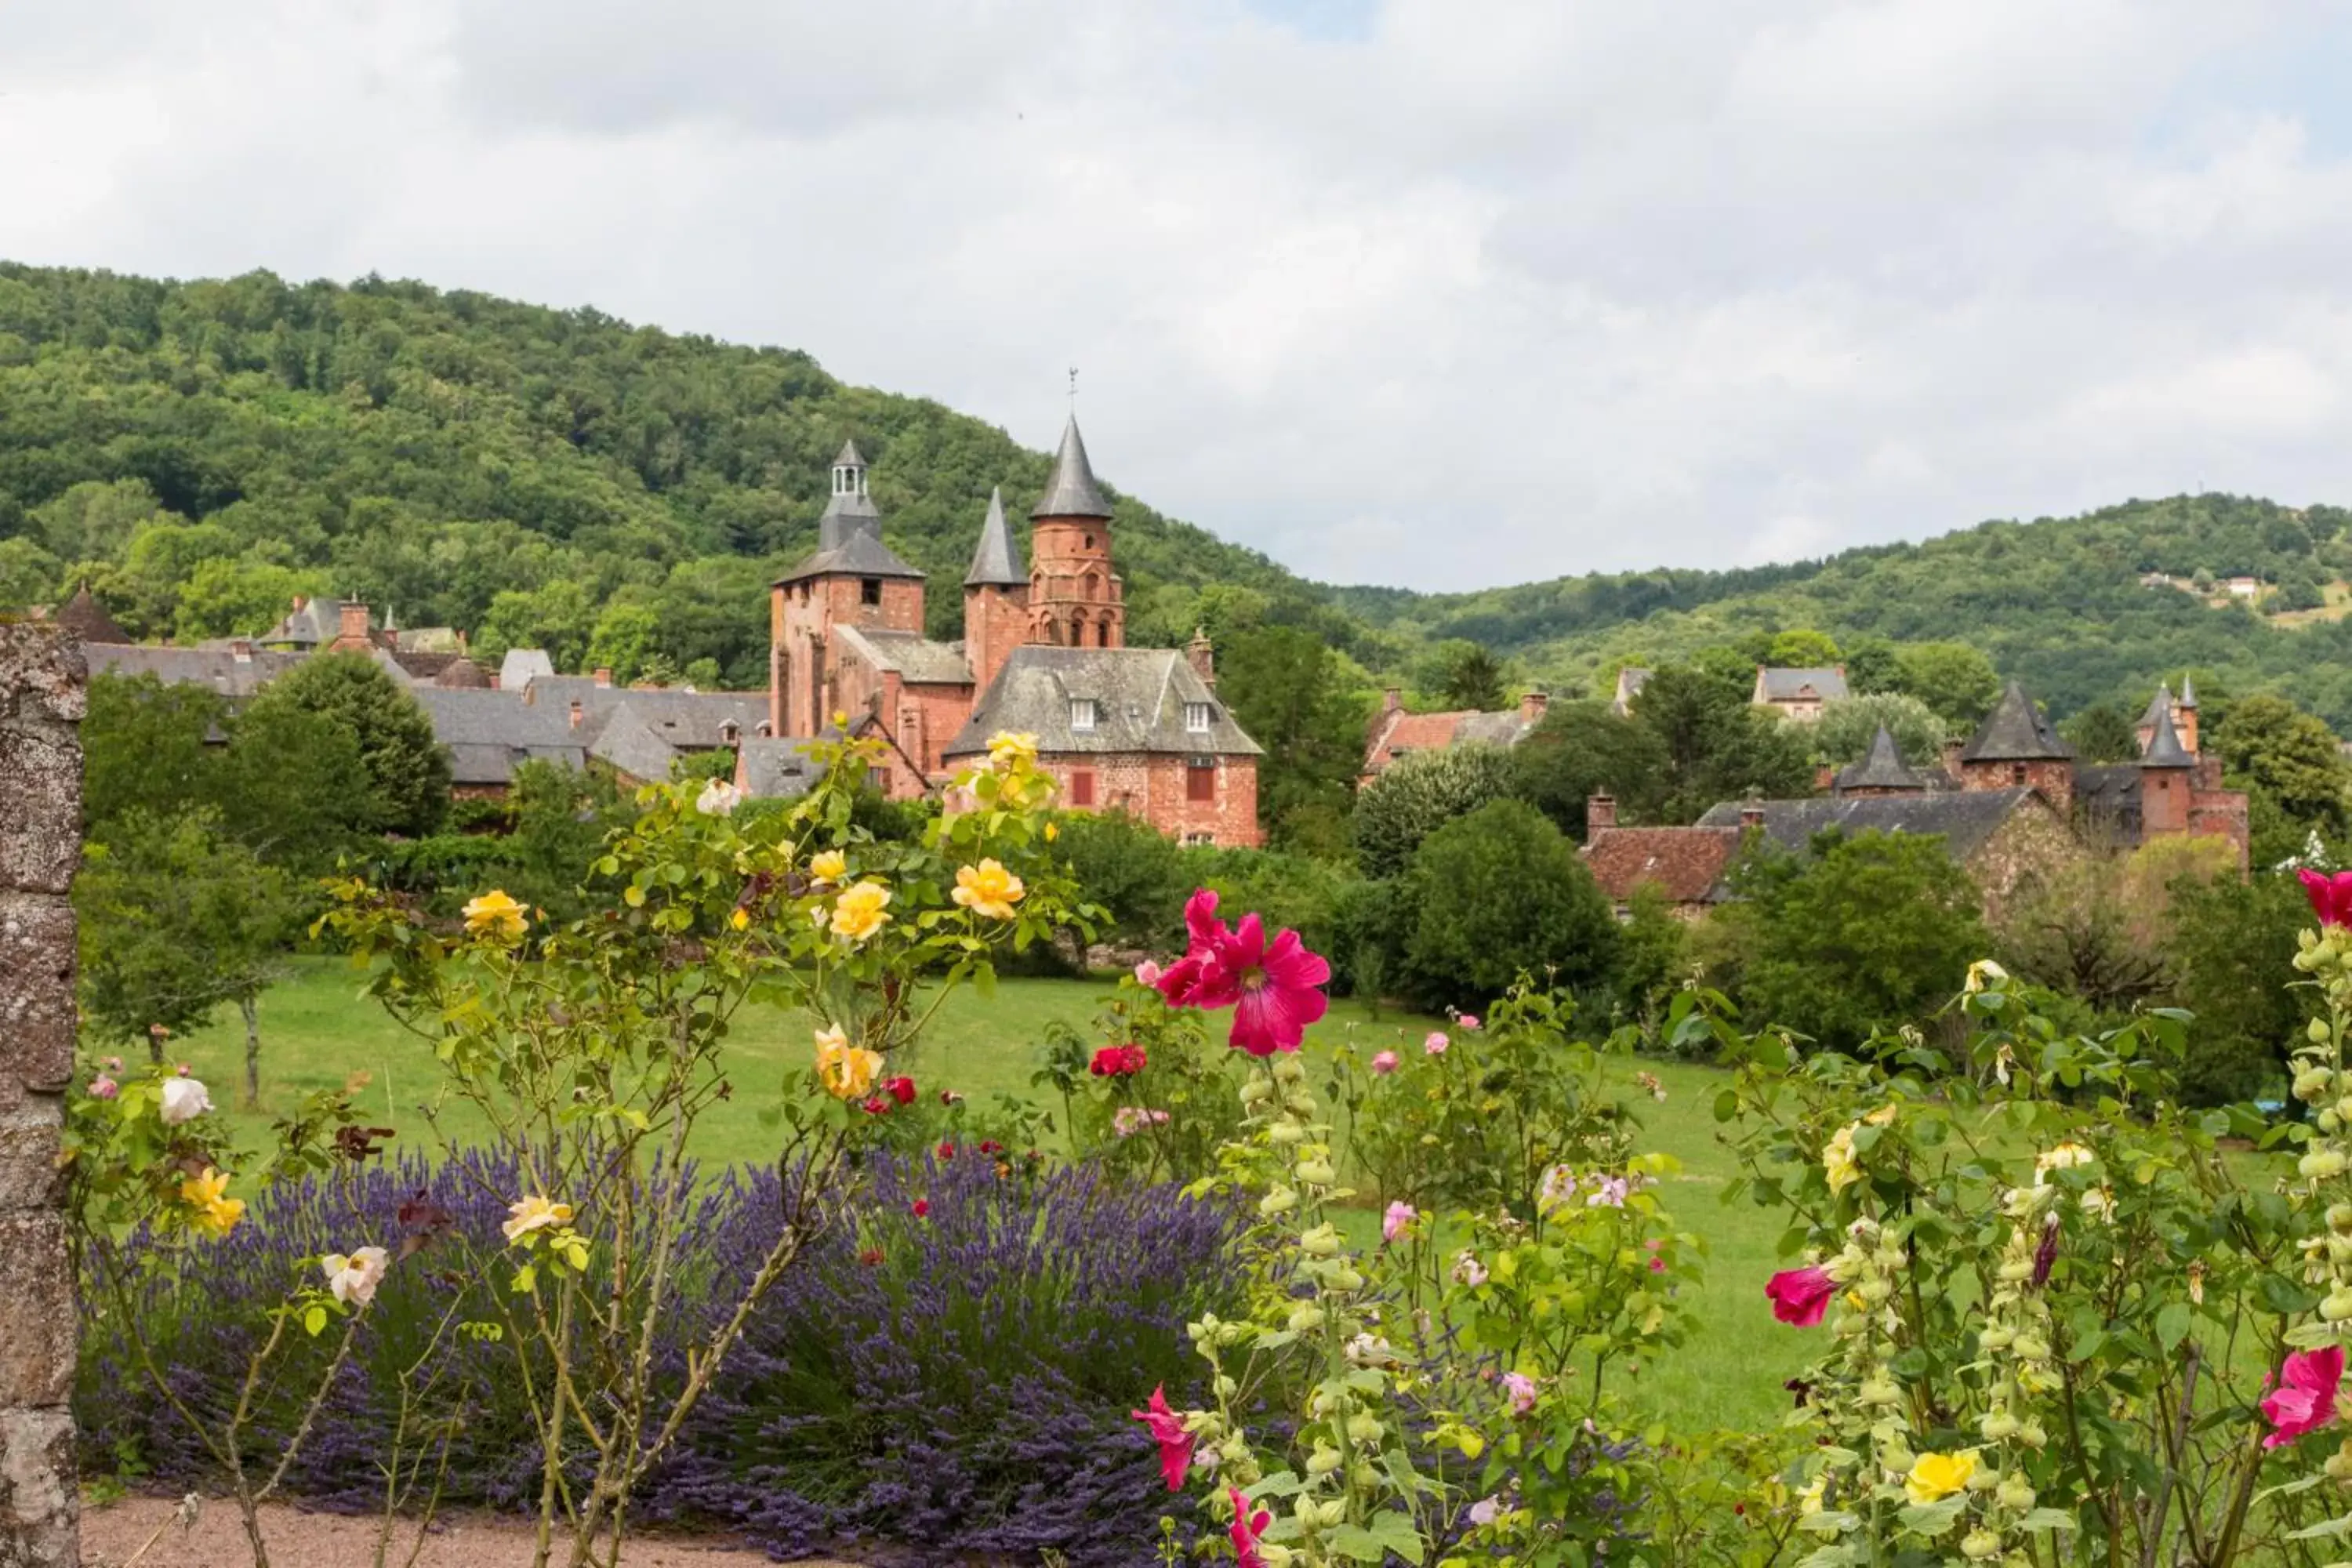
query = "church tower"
x=996 y=597
x=853 y=579
x=1075 y=600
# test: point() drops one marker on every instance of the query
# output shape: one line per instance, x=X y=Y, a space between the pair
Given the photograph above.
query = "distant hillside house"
x=1800 y=694
x=1043 y=652
x=1396 y=733
x=1630 y=681
x=2244 y=587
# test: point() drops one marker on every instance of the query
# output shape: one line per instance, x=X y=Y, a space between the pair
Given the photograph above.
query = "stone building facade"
x=43 y=683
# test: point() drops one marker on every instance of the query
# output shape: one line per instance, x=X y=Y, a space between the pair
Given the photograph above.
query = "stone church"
x=1044 y=651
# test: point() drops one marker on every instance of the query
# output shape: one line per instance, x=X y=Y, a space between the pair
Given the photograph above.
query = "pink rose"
x=104 y=1087
x=1147 y=974
x=1385 y=1063
x=1399 y=1216
x=1468 y=1021
x=1522 y=1390
x=1436 y=1043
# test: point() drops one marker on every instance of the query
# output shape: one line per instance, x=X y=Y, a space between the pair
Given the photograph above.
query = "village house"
x=1630 y=681
x=1043 y=652
x=1798 y=693
x=2011 y=801
x=1395 y=733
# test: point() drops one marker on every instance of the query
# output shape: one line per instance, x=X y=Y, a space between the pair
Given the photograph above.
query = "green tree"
x=1500 y=892
x=1952 y=677
x=2229 y=940
x=1718 y=746
x=29 y=575
x=628 y=635
x=1872 y=665
x=2288 y=760
x=176 y=920
x=1417 y=795
x=1653 y=954
x=1581 y=750
x=408 y=774
x=1131 y=869
x=1860 y=933
x=1286 y=691
x=1474 y=679
x=1802 y=648
x=1843 y=732
x=232 y=598
x=94 y=520
x=292 y=786
x=2103 y=732
x=143 y=748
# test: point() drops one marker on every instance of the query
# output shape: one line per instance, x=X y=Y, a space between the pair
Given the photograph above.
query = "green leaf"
x=1933 y=1518
x=2325 y=1528
x=2172 y=1324
x=2048 y=1519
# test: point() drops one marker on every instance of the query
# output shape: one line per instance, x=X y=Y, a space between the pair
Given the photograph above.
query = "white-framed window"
x=1082 y=714
x=1199 y=716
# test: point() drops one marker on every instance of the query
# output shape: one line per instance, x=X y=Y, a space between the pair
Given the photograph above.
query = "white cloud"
x=1478 y=292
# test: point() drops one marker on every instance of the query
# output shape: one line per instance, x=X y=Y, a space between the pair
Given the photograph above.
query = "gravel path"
x=111 y=1534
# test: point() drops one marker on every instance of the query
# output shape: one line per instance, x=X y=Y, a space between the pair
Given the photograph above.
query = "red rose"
x=990 y=1146
x=901 y=1089
x=946 y=1151
x=921 y=1208
x=877 y=1106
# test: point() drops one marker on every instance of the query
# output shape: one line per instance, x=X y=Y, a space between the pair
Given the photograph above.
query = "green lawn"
x=318 y=1032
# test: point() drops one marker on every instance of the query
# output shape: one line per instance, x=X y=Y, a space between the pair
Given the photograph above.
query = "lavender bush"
x=953 y=1380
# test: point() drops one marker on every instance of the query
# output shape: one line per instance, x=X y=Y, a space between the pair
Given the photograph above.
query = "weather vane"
x=1073 y=389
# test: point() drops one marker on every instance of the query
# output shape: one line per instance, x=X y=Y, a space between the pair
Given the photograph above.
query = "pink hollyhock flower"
x=1399 y=1216
x=1800 y=1296
x=1384 y=1062
x=2331 y=896
x=1166 y=1429
x=104 y=1087
x=2305 y=1400
x=1249 y=1525
x=1486 y=1511
x=1436 y=1043
x=1147 y=974
x=1272 y=987
x=1522 y=1390
x=1181 y=983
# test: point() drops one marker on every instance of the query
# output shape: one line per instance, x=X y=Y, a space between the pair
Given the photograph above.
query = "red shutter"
x=1082 y=787
x=1201 y=781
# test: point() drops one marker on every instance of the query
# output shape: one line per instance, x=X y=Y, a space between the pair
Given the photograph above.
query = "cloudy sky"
x=1433 y=292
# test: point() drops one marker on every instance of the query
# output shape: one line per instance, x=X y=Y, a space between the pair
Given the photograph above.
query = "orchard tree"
x=1419 y=794
x=408 y=773
x=2103 y=732
x=176 y=920
x=2289 y=759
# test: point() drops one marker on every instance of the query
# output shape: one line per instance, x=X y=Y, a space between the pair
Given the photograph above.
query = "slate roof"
x=318 y=622
x=2107 y=794
x=486 y=733
x=688 y=721
x=2015 y=732
x=1141 y=693
x=857 y=555
x=918 y=660
x=521 y=666
x=996 y=561
x=630 y=744
x=1630 y=681
x=1788 y=685
x=849 y=458
x=219 y=669
x=1071 y=489
x=1686 y=864
x=2164 y=748
x=2159 y=707
x=2188 y=692
x=1882 y=769
x=1965 y=818
x=775 y=769
x=84 y=617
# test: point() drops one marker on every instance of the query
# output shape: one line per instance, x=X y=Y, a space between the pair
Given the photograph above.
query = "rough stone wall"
x=2035 y=840
x=42 y=690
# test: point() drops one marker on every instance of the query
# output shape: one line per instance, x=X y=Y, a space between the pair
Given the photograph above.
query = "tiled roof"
x=689 y=721
x=1422 y=731
x=629 y=745
x=486 y=733
x=1140 y=694
x=2015 y=732
x=1826 y=682
x=1965 y=818
x=917 y=658
x=778 y=769
x=1686 y=864
x=219 y=669
x=1402 y=733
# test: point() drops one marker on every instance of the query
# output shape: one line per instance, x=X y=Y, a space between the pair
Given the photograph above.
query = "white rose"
x=719 y=798
x=185 y=1100
x=354 y=1279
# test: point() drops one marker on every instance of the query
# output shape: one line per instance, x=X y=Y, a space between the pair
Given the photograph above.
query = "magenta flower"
x=1384 y=1062
x=2305 y=1400
x=1657 y=1266
x=1399 y=1216
x=1249 y=1525
x=1272 y=987
x=1522 y=1390
x=1800 y=1296
x=1436 y=1043
x=2331 y=896
x=1166 y=1429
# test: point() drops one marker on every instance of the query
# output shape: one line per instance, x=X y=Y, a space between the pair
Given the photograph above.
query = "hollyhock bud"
x=2015 y=1494
x=1323 y=1241
x=2338 y=1466
x=2321 y=1165
x=2317 y=1031
x=1305 y=1317
x=1286 y=1133
x=2337 y=1307
x=1319 y=1172
x=1282 y=1200
x=1979 y=1544
x=1997 y=1425
x=2339 y=1217
x=1323 y=1461
x=1364 y=1429
x=2031 y=1435
x=1289 y=1070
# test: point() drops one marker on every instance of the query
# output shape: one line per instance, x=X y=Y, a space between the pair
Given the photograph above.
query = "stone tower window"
x=869 y=590
x=2017 y=774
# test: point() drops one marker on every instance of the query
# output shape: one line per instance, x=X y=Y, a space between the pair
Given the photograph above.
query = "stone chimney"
x=1952 y=750
x=241 y=649
x=1532 y=706
x=1825 y=777
x=577 y=712
x=1599 y=814
x=604 y=676
x=352 y=628
x=1202 y=656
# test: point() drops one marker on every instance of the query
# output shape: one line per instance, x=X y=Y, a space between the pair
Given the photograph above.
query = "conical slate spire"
x=850 y=458
x=2164 y=748
x=2015 y=732
x=2187 y=693
x=1071 y=492
x=86 y=621
x=996 y=562
x=1882 y=769
x=2159 y=707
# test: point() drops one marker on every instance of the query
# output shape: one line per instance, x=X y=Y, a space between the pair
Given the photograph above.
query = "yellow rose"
x=1882 y=1117
x=829 y=865
x=2065 y=1157
x=1052 y=831
x=988 y=889
x=741 y=920
x=496 y=915
x=1984 y=972
x=1935 y=1477
x=1838 y=1160
x=1009 y=752
x=846 y=1071
x=215 y=1211
x=534 y=1213
x=858 y=913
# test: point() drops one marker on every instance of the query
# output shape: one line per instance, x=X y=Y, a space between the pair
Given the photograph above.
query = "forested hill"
x=201 y=451
x=2060 y=603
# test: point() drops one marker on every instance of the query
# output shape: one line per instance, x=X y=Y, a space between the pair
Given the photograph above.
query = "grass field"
x=318 y=1032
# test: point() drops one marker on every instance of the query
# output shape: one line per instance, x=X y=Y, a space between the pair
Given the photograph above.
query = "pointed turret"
x=2164 y=748
x=1882 y=772
x=1071 y=490
x=2159 y=707
x=86 y=620
x=996 y=562
x=2187 y=693
x=2015 y=732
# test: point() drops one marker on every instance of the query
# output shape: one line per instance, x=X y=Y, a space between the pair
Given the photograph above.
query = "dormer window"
x=1199 y=716
x=1084 y=711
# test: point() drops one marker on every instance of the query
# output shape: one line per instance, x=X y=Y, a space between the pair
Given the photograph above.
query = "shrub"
x=1131 y=869
x=1289 y=890
x=1420 y=794
x=1498 y=894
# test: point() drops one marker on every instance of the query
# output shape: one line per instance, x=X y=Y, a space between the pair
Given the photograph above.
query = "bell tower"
x=1076 y=599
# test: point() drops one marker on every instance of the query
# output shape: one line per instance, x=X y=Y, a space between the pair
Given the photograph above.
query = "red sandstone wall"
x=1151 y=788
